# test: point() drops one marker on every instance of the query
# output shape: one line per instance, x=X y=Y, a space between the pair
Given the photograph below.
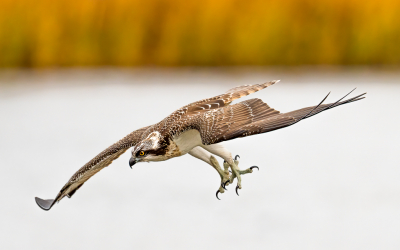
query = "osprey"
x=197 y=129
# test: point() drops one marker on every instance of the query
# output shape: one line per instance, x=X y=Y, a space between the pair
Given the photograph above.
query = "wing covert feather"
x=175 y=123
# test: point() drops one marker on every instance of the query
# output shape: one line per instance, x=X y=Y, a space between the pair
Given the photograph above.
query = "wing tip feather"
x=267 y=84
x=44 y=204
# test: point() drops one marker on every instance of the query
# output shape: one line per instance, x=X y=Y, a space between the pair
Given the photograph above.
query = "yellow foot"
x=236 y=172
x=224 y=174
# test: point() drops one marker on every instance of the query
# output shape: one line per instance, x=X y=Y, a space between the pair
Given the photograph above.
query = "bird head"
x=149 y=149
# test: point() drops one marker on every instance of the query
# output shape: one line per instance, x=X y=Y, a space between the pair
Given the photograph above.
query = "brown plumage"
x=213 y=118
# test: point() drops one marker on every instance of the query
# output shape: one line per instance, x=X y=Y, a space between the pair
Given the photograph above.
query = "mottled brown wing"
x=218 y=125
x=174 y=123
x=225 y=99
x=252 y=117
x=99 y=162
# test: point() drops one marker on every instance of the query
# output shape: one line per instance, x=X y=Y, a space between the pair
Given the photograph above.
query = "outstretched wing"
x=173 y=123
x=99 y=162
x=252 y=117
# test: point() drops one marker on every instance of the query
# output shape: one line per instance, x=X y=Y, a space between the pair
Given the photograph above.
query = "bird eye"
x=141 y=153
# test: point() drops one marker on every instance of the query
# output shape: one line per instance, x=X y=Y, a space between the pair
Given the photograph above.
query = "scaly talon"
x=224 y=176
x=229 y=173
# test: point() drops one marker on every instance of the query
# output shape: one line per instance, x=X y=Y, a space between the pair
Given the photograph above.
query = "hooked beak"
x=132 y=162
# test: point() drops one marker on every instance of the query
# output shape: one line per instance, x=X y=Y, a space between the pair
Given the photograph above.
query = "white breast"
x=188 y=140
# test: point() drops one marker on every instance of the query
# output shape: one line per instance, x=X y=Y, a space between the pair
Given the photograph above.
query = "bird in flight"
x=197 y=129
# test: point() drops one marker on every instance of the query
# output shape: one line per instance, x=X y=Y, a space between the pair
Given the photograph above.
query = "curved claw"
x=254 y=167
x=226 y=182
x=236 y=157
x=217 y=195
x=237 y=187
x=223 y=186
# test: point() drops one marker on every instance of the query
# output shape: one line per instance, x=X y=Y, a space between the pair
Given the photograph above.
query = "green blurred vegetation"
x=45 y=33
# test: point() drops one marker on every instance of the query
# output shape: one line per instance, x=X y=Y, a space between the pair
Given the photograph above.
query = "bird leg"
x=224 y=174
x=229 y=163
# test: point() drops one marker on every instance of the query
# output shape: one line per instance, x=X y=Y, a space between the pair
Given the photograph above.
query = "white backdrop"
x=329 y=182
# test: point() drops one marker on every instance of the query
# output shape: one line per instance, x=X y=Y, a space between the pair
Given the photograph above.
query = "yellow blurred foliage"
x=45 y=33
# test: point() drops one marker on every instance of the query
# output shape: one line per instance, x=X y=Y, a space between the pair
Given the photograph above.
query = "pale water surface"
x=329 y=182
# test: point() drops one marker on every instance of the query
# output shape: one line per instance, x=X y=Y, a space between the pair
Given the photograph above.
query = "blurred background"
x=76 y=76
x=45 y=33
